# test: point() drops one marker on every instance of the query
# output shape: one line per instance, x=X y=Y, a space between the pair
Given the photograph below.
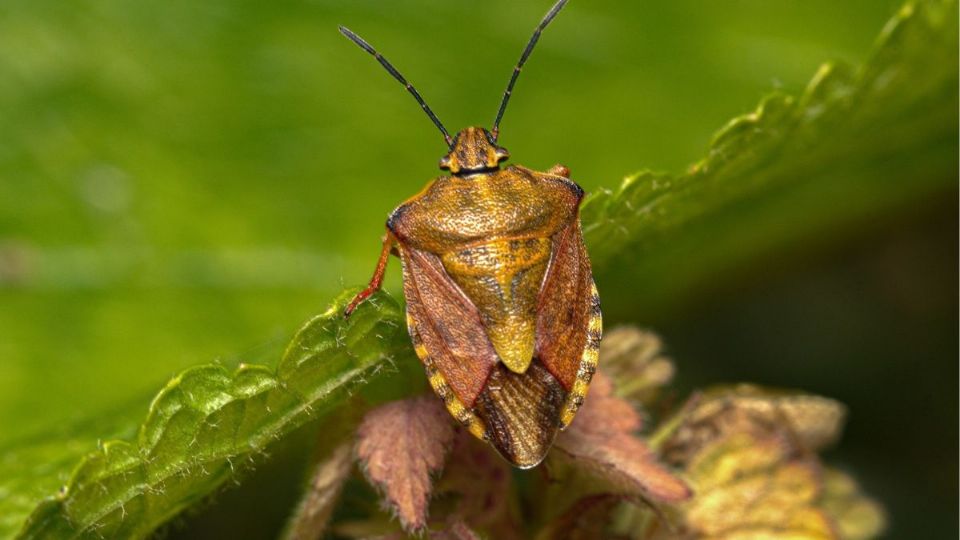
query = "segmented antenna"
x=523 y=58
x=396 y=75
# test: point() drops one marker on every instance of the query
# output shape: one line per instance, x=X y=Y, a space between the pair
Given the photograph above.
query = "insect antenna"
x=396 y=75
x=523 y=58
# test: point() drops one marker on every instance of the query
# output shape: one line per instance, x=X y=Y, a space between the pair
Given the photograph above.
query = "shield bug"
x=501 y=304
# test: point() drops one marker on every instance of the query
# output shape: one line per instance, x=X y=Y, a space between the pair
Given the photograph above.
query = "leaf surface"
x=200 y=431
x=857 y=146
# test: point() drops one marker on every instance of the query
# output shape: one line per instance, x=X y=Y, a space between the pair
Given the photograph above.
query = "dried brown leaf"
x=749 y=453
x=400 y=445
x=476 y=488
x=857 y=517
x=812 y=422
x=632 y=357
x=312 y=515
x=603 y=413
x=754 y=486
x=750 y=486
x=603 y=439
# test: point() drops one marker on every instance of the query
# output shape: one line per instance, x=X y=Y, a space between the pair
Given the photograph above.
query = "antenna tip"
x=357 y=39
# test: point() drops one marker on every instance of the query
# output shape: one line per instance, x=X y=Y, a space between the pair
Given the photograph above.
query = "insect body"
x=501 y=304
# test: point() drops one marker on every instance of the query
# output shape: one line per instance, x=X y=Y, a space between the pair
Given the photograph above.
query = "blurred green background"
x=186 y=181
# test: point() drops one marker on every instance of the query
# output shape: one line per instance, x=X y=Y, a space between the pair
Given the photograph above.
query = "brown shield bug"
x=501 y=304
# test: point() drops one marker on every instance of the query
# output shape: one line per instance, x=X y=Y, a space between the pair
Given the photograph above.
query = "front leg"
x=377 y=280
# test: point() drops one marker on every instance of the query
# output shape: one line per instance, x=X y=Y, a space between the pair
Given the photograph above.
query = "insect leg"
x=377 y=280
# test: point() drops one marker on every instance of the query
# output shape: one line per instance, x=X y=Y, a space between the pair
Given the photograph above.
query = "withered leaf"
x=754 y=486
x=602 y=438
x=475 y=488
x=399 y=445
x=313 y=513
x=747 y=485
x=812 y=422
x=749 y=453
x=633 y=359
x=857 y=517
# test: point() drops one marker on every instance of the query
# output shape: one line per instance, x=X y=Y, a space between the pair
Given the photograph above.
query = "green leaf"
x=857 y=145
x=200 y=429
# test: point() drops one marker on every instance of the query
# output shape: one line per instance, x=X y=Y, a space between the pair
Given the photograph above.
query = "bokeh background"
x=187 y=181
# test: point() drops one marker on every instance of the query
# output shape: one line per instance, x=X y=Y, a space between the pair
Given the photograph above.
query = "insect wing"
x=516 y=412
x=569 y=322
x=448 y=335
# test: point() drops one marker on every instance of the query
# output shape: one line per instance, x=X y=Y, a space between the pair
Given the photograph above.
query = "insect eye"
x=446 y=163
x=502 y=154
